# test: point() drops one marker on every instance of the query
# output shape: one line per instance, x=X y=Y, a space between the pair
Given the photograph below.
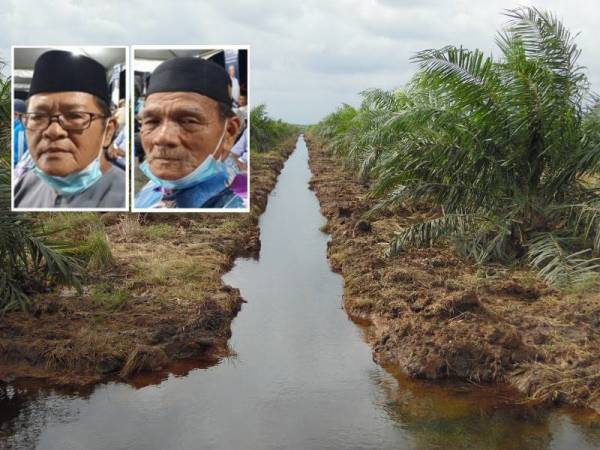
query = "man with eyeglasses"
x=68 y=122
x=187 y=130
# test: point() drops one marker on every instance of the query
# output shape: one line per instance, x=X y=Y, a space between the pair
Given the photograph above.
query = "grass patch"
x=186 y=276
x=144 y=358
x=153 y=271
x=75 y=225
x=198 y=292
x=86 y=231
x=96 y=251
x=160 y=271
x=61 y=356
x=131 y=230
x=108 y=297
x=363 y=303
x=159 y=230
x=197 y=268
x=83 y=350
x=230 y=226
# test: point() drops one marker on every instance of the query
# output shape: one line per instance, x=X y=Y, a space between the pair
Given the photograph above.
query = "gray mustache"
x=166 y=154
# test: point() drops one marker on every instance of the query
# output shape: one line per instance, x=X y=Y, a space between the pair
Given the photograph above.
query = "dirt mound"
x=436 y=316
x=456 y=304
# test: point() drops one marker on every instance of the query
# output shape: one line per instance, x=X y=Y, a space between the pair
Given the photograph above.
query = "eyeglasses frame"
x=51 y=117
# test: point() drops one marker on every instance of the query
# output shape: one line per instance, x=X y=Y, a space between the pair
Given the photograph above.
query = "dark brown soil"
x=162 y=301
x=438 y=316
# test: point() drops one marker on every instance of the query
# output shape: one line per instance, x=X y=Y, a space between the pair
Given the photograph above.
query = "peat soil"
x=436 y=316
x=161 y=300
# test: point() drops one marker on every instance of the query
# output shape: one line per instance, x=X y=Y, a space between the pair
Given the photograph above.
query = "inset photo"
x=191 y=135
x=70 y=129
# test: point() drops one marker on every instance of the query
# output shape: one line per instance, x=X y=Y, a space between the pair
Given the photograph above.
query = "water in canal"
x=302 y=377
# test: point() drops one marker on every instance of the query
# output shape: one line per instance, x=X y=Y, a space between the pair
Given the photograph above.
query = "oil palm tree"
x=506 y=150
x=267 y=132
x=28 y=257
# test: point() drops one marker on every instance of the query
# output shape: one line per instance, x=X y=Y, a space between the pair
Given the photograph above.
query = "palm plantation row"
x=504 y=152
x=267 y=132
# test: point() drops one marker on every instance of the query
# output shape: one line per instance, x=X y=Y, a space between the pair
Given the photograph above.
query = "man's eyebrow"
x=179 y=110
x=74 y=105
x=150 y=111
x=61 y=106
x=189 y=110
x=38 y=107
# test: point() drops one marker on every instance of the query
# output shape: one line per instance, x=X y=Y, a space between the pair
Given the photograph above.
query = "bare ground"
x=162 y=299
x=436 y=316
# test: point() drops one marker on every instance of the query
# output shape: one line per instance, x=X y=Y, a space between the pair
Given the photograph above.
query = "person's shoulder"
x=116 y=169
x=26 y=179
x=31 y=192
x=115 y=175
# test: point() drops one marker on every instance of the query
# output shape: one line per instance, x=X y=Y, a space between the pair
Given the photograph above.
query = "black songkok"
x=187 y=74
x=60 y=71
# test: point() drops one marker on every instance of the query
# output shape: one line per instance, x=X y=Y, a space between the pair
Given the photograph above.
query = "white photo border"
x=12 y=132
x=131 y=153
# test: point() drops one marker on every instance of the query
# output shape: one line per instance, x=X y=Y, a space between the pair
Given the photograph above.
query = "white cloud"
x=307 y=57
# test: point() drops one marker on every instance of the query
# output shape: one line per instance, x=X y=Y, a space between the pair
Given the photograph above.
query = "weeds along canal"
x=301 y=377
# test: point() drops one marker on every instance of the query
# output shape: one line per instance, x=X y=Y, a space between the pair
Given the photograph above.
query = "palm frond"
x=557 y=265
x=430 y=232
x=27 y=256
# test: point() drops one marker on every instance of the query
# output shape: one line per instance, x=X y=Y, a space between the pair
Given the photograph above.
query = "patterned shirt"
x=213 y=192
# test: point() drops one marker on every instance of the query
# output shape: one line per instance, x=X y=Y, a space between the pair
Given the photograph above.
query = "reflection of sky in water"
x=303 y=377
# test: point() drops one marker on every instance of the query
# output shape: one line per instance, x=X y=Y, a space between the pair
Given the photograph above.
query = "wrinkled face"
x=232 y=71
x=181 y=129
x=59 y=152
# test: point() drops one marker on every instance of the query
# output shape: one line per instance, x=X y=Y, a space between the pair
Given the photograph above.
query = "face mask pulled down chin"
x=74 y=183
x=209 y=168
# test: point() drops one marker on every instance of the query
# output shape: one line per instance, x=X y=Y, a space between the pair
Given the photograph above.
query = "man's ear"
x=231 y=132
x=109 y=133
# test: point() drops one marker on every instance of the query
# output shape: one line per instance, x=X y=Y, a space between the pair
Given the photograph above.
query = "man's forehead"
x=182 y=99
x=65 y=98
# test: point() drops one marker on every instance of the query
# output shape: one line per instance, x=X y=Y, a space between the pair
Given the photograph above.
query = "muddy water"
x=302 y=377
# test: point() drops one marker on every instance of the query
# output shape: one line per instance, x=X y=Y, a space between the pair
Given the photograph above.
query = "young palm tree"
x=266 y=132
x=27 y=257
x=506 y=150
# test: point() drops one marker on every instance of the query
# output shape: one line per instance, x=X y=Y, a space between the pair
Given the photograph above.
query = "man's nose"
x=54 y=131
x=166 y=135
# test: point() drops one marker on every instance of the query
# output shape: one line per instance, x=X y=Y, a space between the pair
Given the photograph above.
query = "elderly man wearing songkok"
x=187 y=129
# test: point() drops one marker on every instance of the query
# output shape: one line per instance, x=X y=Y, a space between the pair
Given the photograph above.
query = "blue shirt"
x=213 y=192
x=20 y=142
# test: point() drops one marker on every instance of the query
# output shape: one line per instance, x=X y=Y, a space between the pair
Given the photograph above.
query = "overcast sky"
x=306 y=57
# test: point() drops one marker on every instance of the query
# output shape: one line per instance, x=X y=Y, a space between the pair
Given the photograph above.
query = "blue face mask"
x=73 y=183
x=208 y=169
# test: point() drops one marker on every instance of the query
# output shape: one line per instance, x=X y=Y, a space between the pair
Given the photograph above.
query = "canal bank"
x=159 y=300
x=436 y=316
